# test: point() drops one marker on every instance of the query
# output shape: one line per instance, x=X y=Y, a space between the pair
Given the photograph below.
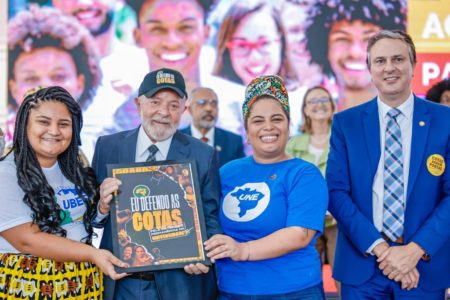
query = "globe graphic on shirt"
x=245 y=203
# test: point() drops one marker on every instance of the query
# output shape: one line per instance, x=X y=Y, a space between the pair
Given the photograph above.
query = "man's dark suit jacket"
x=228 y=145
x=121 y=148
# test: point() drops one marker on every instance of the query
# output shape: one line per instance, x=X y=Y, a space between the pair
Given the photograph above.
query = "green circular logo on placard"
x=141 y=191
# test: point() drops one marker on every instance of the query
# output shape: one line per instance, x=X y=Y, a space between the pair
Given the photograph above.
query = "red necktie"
x=204 y=139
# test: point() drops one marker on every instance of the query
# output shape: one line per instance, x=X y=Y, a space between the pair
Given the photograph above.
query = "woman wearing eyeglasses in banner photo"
x=49 y=202
x=313 y=145
x=272 y=208
x=251 y=41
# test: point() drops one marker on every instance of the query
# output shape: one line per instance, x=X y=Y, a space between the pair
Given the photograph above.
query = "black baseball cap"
x=162 y=79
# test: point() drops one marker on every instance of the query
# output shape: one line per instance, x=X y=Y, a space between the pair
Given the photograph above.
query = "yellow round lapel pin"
x=436 y=164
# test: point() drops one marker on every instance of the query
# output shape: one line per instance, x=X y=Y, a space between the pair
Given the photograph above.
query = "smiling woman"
x=251 y=42
x=41 y=174
x=272 y=212
x=49 y=131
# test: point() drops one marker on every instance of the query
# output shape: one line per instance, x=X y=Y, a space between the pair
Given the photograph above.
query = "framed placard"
x=157 y=216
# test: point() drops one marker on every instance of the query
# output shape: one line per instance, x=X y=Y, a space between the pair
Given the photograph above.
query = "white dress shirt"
x=209 y=134
x=143 y=142
x=404 y=120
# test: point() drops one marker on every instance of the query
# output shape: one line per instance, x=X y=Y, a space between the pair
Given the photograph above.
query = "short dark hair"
x=322 y=16
x=435 y=92
x=393 y=35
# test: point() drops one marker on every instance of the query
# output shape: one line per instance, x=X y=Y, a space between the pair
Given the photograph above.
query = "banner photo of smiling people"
x=99 y=50
x=157 y=216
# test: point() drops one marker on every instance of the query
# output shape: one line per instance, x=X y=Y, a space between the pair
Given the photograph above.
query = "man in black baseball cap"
x=163 y=79
x=160 y=102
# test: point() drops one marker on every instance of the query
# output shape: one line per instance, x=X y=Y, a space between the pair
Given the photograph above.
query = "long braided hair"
x=39 y=195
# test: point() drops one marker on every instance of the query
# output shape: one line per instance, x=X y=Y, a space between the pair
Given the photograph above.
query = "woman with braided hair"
x=49 y=205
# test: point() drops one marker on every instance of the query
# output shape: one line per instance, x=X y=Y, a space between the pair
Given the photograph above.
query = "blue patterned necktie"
x=152 y=153
x=394 y=206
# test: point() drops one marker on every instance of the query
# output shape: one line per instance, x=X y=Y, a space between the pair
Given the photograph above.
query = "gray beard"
x=158 y=133
x=207 y=124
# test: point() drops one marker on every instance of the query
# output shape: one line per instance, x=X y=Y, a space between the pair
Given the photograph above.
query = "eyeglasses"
x=242 y=48
x=203 y=102
x=316 y=101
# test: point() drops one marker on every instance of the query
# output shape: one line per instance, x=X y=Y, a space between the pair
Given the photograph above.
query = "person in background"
x=336 y=37
x=272 y=212
x=251 y=41
x=204 y=109
x=440 y=92
x=45 y=241
x=389 y=184
x=313 y=145
x=294 y=14
x=48 y=48
x=116 y=86
x=160 y=104
x=173 y=35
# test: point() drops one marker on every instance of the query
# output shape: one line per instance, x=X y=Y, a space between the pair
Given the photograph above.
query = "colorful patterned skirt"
x=30 y=277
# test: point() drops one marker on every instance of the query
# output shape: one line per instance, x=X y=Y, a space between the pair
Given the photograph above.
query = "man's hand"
x=380 y=248
x=410 y=280
x=196 y=269
x=107 y=188
x=397 y=261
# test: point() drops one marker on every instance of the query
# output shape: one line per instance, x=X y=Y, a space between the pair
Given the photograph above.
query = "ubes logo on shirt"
x=436 y=164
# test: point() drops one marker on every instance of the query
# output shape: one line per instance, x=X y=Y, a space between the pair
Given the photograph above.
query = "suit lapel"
x=218 y=137
x=187 y=131
x=371 y=124
x=179 y=147
x=127 y=153
x=418 y=140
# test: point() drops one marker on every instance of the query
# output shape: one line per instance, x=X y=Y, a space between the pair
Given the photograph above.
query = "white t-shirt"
x=15 y=212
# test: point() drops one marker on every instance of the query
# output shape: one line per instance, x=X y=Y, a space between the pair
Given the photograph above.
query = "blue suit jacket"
x=121 y=148
x=352 y=164
x=228 y=145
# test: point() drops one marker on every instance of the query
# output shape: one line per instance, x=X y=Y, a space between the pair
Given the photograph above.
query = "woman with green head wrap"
x=272 y=208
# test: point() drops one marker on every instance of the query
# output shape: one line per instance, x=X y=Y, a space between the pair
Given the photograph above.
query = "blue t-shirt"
x=259 y=199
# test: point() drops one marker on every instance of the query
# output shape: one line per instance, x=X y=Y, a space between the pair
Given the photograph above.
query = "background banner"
x=100 y=51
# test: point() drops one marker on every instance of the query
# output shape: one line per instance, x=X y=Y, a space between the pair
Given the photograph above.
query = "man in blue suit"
x=160 y=102
x=204 y=109
x=389 y=185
